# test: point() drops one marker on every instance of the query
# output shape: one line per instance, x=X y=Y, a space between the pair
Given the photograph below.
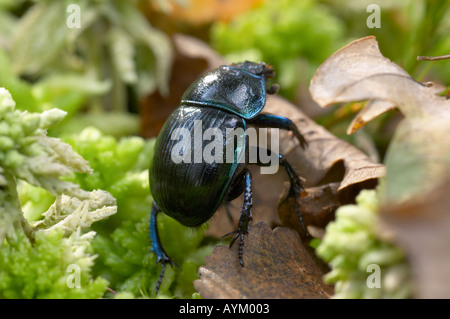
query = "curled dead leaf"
x=374 y=109
x=360 y=72
x=277 y=265
x=421 y=227
x=418 y=154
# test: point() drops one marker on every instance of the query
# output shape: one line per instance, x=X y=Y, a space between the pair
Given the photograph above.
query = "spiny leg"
x=296 y=185
x=295 y=189
x=246 y=216
x=156 y=247
x=275 y=121
x=235 y=189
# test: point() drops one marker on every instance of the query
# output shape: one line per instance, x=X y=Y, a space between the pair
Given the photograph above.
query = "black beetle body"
x=189 y=188
x=192 y=192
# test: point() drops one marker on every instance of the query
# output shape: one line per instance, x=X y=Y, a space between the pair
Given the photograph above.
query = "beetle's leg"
x=156 y=247
x=296 y=187
x=236 y=188
x=246 y=216
x=275 y=121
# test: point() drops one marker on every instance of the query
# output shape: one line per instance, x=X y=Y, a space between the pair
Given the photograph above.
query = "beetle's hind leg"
x=296 y=185
x=295 y=189
x=156 y=246
x=246 y=214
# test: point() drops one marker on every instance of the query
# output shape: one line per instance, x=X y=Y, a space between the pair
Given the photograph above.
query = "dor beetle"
x=189 y=190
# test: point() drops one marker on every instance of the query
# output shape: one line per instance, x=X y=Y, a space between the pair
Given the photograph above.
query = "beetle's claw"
x=164 y=260
x=239 y=233
x=300 y=138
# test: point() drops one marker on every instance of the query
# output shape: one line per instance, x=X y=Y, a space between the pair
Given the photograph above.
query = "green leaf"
x=155 y=42
x=40 y=36
x=122 y=51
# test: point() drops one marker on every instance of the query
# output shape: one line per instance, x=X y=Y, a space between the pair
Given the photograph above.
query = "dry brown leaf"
x=421 y=227
x=276 y=266
x=347 y=67
x=418 y=155
x=359 y=72
x=374 y=109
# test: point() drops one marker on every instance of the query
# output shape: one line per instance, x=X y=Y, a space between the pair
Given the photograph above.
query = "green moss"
x=52 y=267
x=351 y=246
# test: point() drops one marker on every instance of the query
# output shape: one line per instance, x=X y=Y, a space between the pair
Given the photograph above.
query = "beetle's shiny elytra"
x=228 y=98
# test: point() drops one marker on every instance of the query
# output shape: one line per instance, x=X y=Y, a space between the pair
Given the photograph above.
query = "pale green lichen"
x=352 y=246
x=71 y=213
x=27 y=153
x=37 y=259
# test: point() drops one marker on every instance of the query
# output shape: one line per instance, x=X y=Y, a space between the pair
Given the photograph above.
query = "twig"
x=433 y=58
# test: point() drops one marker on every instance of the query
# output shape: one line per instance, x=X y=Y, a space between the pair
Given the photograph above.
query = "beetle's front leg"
x=246 y=216
x=156 y=247
x=275 y=121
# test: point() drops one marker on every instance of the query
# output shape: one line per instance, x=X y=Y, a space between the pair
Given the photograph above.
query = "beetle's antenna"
x=273 y=89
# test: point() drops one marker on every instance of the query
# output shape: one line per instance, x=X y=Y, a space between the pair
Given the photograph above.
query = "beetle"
x=228 y=98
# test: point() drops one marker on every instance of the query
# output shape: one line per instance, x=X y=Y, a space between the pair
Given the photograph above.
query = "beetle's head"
x=260 y=69
x=256 y=68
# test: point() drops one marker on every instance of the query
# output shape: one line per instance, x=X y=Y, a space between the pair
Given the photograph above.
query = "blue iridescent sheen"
x=229 y=88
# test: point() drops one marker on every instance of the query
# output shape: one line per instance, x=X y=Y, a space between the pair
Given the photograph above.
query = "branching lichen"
x=27 y=153
x=363 y=265
x=37 y=260
x=71 y=213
